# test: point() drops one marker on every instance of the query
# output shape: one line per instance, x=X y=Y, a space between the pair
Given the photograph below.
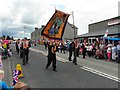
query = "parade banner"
x=56 y=25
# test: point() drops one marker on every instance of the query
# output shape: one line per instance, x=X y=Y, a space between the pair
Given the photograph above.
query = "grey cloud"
x=6 y=20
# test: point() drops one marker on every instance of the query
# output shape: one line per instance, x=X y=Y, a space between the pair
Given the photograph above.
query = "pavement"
x=89 y=73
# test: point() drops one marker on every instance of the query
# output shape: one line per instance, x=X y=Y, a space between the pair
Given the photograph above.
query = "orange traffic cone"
x=18 y=67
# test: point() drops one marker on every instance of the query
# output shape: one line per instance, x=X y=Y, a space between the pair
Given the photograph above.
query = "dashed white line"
x=100 y=73
x=45 y=53
x=83 y=67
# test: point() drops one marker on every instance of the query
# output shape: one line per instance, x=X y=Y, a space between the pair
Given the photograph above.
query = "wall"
x=103 y=26
x=69 y=32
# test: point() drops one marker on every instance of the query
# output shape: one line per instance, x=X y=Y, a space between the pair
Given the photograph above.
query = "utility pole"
x=24 y=27
x=75 y=42
x=24 y=31
x=73 y=24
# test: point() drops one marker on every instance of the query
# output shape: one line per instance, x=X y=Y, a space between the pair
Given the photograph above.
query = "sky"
x=18 y=18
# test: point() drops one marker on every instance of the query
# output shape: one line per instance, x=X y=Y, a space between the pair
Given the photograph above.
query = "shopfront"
x=97 y=30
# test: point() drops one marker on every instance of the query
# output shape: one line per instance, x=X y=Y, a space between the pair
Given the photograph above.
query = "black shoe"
x=46 y=68
x=75 y=63
x=23 y=63
x=70 y=60
x=26 y=62
x=55 y=70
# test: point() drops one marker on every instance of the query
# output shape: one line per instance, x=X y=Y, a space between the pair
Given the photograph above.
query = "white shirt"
x=109 y=49
x=118 y=47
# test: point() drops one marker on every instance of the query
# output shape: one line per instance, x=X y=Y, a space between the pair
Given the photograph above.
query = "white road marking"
x=62 y=59
x=83 y=67
x=45 y=53
x=100 y=73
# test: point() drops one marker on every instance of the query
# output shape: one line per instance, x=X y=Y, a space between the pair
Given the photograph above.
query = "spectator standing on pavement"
x=5 y=49
x=118 y=52
x=109 y=52
x=84 y=49
x=51 y=56
x=114 y=52
x=105 y=51
x=25 y=45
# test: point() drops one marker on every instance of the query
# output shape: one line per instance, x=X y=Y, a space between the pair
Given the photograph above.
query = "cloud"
x=31 y=13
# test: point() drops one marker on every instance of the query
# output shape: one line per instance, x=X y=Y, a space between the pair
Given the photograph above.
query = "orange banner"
x=56 y=25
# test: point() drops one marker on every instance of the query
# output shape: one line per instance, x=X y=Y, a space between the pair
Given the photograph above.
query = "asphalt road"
x=87 y=74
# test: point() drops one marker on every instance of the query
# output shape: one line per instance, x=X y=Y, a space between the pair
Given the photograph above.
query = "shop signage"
x=113 y=22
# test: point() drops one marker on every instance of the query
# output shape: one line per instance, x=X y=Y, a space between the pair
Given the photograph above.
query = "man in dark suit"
x=72 y=49
x=17 y=45
x=26 y=45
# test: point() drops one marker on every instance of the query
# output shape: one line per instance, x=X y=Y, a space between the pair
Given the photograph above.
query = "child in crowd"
x=3 y=85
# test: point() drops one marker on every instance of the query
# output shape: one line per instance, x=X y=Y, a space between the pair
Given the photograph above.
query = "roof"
x=72 y=25
x=105 y=20
x=99 y=33
x=38 y=30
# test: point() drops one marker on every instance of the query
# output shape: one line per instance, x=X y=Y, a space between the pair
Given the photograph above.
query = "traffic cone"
x=18 y=67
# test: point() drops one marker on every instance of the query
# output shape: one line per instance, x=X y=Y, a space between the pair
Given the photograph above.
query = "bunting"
x=56 y=25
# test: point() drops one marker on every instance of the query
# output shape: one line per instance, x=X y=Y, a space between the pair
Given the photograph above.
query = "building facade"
x=36 y=34
x=98 y=29
x=69 y=33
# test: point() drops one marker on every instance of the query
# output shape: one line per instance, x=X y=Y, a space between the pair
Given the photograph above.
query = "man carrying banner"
x=51 y=55
x=54 y=30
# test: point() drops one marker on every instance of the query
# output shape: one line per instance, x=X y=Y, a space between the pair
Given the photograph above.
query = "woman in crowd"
x=114 y=52
x=109 y=52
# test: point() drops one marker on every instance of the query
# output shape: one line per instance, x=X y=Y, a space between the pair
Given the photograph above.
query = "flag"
x=97 y=39
x=55 y=26
x=106 y=33
x=1 y=65
x=15 y=76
